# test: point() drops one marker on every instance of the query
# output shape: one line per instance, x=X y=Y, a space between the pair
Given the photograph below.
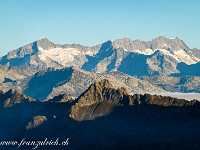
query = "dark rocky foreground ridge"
x=102 y=117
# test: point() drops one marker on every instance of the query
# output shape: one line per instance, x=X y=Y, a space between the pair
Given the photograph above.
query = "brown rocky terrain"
x=62 y=98
x=12 y=97
x=101 y=97
x=37 y=120
x=104 y=117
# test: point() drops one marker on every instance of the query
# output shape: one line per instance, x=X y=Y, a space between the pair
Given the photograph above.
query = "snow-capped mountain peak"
x=158 y=56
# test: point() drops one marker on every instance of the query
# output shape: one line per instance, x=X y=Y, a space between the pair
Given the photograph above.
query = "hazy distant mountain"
x=122 y=61
x=16 y=73
x=12 y=77
x=46 y=83
x=52 y=82
x=43 y=53
x=136 y=58
x=176 y=84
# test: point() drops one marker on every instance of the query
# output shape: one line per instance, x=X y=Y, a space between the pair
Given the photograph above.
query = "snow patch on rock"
x=167 y=45
x=166 y=52
x=146 y=52
x=184 y=57
x=60 y=55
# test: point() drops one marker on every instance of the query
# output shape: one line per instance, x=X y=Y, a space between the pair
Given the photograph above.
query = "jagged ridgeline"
x=161 y=56
x=161 y=65
x=43 y=70
x=104 y=116
x=47 y=83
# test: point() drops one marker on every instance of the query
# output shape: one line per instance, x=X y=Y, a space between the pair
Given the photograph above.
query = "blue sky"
x=91 y=22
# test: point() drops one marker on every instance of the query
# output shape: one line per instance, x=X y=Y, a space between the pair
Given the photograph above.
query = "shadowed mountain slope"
x=107 y=118
x=42 y=83
x=102 y=97
x=75 y=81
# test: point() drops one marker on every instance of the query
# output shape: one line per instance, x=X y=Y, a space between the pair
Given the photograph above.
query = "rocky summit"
x=101 y=97
x=12 y=97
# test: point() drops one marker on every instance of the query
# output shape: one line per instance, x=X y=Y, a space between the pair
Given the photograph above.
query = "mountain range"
x=161 y=56
x=102 y=117
x=87 y=95
x=159 y=65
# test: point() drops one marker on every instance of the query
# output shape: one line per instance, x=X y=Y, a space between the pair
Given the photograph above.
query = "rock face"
x=10 y=78
x=103 y=91
x=48 y=83
x=124 y=62
x=176 y=84
x=47 y=80
x=12 y=97
x=157 y=57
x=37 y=121
x=148 y=99
x=43 y=53
x=108 y=118
x=73 y=82
x=101 y=98
x=55 y=81
x=62 y=98
x=80 y=80
x=161 y=42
